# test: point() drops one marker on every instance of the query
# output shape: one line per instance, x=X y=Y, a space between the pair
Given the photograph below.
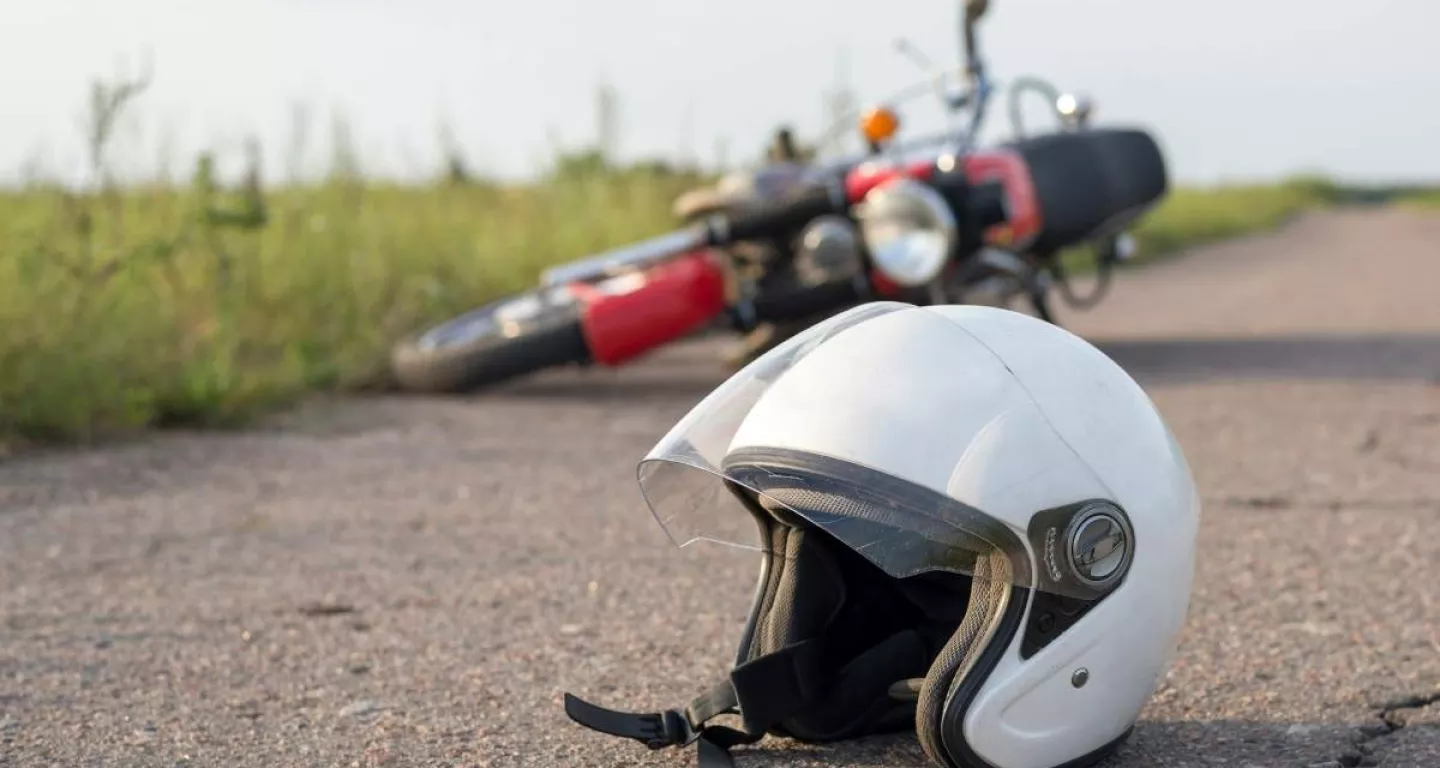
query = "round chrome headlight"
x=909 y=230
x=828 y=250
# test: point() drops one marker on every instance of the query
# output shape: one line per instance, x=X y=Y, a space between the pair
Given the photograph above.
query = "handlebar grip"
x=800 y=301
x=777 y=218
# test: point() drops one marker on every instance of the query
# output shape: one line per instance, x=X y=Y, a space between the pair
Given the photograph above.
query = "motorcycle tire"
x=501 y=340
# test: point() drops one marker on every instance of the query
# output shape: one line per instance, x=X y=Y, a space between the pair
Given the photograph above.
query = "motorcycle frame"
x=677 y=285
x=627 y=316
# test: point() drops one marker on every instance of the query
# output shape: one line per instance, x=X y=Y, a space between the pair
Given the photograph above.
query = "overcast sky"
x=1235 y=89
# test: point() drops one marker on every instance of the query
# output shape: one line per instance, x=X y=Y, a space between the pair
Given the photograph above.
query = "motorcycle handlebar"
x=791 y=213
x=977 y=205
x=626 y=258
x=768 y=221
x=1083 y=182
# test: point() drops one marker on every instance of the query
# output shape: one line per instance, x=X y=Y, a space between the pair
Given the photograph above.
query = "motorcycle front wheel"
x=501 y=340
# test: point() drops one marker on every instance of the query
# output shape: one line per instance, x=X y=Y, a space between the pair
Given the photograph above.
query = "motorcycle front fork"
x=1040 y=302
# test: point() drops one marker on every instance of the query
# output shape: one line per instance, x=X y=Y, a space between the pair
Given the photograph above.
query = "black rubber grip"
x=797 y=302
x=1091 y=179
x=779 y=218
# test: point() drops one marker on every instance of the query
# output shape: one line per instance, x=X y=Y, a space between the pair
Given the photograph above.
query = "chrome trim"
x=900 y=209
x=1004 y=261
x=1099 y=534
x=1125 y=246
x=828 y=249
x=1072 y=109
x=625 y=259
x=718 y=225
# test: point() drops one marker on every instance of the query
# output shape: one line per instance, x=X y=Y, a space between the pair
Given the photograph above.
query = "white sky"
x=1234 y=88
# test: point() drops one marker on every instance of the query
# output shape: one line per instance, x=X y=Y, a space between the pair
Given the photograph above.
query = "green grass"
x=192 y=305
x=168 y=306
x=1428 y=199
x=1192 y=216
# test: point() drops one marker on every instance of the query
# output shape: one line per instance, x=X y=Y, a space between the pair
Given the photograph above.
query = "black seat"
x=1092 y=182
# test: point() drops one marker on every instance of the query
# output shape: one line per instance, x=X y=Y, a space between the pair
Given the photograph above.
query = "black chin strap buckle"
x=773 y=687
x=670 y=728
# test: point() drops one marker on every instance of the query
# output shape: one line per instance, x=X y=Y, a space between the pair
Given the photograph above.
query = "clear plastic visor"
x=713 y=474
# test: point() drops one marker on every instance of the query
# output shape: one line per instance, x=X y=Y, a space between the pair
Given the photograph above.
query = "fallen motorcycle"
x=927 y=221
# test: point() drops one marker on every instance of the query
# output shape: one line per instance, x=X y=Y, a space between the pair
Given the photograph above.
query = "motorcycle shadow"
x=687 y=371
x=1369 y=357
x=691 y=371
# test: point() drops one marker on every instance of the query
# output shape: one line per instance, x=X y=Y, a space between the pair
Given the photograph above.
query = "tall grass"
x=149 y=307
x=195 y=303
x=1428 y=199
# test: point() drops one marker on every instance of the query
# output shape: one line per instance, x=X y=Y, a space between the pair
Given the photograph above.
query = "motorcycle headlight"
x=828 y=250
x=909 y=230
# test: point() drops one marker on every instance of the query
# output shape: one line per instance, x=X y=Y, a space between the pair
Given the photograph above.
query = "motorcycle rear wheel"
x=1004 y=291
x=1000 y=279
x=501 y=340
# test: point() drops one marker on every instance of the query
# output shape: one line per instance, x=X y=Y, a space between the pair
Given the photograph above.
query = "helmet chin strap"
x=907 y=690
x=763 y=692
x=671 y=728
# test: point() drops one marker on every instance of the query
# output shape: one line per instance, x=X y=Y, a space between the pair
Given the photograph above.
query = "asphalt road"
x=394 y=581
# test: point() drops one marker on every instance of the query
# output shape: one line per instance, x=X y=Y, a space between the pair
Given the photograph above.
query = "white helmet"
x=974 y=523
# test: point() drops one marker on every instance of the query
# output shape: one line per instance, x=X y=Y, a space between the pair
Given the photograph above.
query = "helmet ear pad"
x=938 y=724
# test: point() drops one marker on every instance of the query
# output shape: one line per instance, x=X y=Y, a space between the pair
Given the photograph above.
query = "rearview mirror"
x=974 y=9
x=1074 y=109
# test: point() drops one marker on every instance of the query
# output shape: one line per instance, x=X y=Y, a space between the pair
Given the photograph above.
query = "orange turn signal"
x=879 y=124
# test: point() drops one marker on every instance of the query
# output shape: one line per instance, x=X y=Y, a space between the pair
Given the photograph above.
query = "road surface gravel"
x=397 y=581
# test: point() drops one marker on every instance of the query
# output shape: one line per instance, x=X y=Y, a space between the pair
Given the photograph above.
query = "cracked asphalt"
x=399 y=581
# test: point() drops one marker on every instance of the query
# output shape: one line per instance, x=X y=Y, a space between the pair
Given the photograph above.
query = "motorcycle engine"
x=828 y=250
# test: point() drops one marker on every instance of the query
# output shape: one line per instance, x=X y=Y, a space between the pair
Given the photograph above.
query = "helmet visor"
x=819 y=470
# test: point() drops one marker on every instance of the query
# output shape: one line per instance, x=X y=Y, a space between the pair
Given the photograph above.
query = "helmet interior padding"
x=878 y=630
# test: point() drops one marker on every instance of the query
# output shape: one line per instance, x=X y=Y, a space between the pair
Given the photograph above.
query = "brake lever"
x=908 y=49
x=937 y=76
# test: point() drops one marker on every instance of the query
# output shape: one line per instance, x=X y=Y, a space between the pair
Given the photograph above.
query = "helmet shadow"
x=1374 y=357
